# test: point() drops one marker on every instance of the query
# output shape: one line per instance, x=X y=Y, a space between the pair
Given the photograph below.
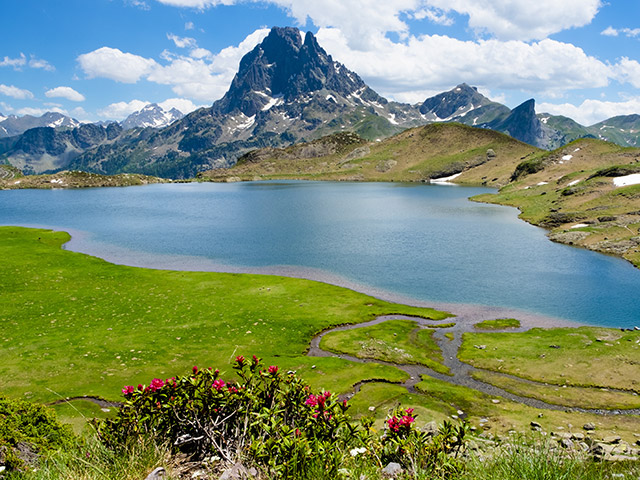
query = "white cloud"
x=205 y=77
x=591 y=111
x=435 y=15
x=182 y=104
x=65 y=92
x=40 y=63
x=189 y=26
x=628 y=71
x=16 y=63
x=38 y=112
x=182 y=42
x=614 y=32
x=522 y=19
x=114 y=64
x=359 y=19
x=436 y=63
x=121 y=110
x=15 y=92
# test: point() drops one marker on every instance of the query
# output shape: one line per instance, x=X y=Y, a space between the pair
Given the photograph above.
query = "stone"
x=495 y=400
x=392 y=470
x=237 y=472
x=589 y=426
x=578 y=436
x=157 y=474
x=535 y=426
x=566 y=443
x=612 y=439
x=430 y=428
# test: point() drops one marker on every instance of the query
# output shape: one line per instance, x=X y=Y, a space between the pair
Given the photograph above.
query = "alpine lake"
x=413 y=242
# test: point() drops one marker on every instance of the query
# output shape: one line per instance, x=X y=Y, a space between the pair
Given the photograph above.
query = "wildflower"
x=256 y=360
x=357 y=451
x=218 y=384
x=240 y=360
x=195 y=369
x=273 y=369
x=128 y=390
x=140 y=387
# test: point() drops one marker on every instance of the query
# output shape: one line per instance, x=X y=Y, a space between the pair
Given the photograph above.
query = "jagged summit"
x=152 y=115
x=282 y=68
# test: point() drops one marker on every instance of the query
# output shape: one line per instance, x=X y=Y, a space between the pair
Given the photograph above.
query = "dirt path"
x=460 y=372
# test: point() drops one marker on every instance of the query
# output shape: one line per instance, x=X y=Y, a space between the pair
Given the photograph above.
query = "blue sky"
x=103 y=59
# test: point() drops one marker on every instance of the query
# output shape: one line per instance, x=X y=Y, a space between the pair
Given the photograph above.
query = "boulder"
x=589 y=426
x=157 y=474
x=392 y=470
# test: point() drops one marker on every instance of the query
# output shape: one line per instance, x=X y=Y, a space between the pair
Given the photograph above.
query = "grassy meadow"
x=75 y=325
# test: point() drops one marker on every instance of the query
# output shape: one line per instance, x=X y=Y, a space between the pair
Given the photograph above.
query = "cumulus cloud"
x=182 y=104
x=200 y=75
x=114 y=64
x=182 y=42
x=591 y=111
x=614 y=32
x=15 y=92
x=522 y=19
x=65 y=92
x=504 y=19
x=16 y=63
x=435 y=63
x=40 y=63
x=121 y=110
x=38 y=112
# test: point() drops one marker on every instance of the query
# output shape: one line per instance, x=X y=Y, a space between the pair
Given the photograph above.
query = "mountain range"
x=287 y=90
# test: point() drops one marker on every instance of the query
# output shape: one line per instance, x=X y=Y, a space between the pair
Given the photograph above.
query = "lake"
x=424 y=242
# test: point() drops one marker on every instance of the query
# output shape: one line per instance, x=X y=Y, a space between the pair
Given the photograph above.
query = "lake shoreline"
x=472 y=313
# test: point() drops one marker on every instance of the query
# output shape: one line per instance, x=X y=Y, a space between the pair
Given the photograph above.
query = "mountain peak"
x=151 y=115
x=286 y=67
x=453 y=104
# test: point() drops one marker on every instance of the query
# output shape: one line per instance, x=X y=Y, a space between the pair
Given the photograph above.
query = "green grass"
x=77 y=325
x=498 y=324
x=585 y=356
x=396 y=341
x=582 y=397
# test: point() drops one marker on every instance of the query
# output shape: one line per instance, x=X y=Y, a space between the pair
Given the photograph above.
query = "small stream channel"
x=461 y=373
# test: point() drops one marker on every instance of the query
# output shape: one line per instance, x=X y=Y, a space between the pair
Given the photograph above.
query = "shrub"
x=29 y=431
x=273 y=420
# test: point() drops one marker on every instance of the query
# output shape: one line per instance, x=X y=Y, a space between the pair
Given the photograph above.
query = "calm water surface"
x=426 y=242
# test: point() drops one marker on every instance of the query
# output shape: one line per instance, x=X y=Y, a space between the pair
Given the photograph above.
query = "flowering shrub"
x=272 y=419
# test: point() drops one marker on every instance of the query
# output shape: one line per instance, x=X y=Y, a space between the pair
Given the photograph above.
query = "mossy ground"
x=396 y=341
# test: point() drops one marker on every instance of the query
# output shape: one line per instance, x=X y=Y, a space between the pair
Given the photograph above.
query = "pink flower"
x=409 y=411
x=311 y=401
x=273 y=369
x=194 y=369
x=218 y=384
x=256 y=360
x=156 y=384
x=240 y=360
x=128 y=390
x=140 y=387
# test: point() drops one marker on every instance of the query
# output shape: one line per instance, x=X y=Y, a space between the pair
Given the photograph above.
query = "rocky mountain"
x=152 y=115
x=44 y=149
x=14 y=125
x=287 y=90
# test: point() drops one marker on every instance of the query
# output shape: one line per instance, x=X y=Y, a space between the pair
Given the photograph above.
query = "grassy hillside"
x=571 y=191
x=438 y=150
x=12 y=179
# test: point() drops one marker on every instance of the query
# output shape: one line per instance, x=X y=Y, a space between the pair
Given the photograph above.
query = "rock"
x=578 y=436
x=566 y=443
x=480 y=347
x=589 y=426
x=536 y=426
x=430 y=428
x=611 y=439
x=393 y=469
x=372 y=409
x=157 y=474
x=239 y=472
x=495 y=400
